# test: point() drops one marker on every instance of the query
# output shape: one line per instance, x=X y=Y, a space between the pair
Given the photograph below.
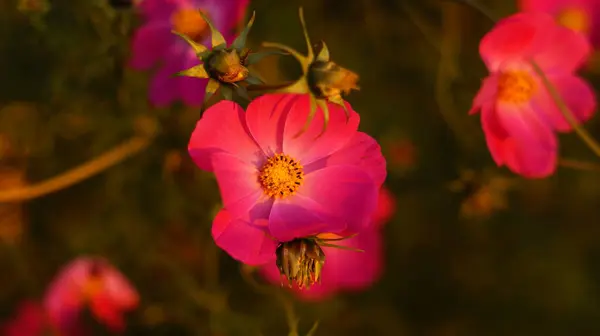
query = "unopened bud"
x=300 y=261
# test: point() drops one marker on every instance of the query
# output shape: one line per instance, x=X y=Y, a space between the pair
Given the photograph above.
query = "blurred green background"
x=493 y=255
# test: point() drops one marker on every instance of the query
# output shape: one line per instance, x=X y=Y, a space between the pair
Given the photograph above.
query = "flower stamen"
x=516 y=87
x=281 y=176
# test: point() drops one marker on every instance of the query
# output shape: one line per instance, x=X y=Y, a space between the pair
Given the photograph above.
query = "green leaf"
x=240 y=41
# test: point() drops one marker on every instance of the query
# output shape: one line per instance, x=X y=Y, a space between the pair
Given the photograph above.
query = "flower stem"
x=290 y=314
x=77 y=174
x=564 y=110
x=579 y=165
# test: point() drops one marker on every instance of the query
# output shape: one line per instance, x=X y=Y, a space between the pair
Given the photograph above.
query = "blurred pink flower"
x=277 y=187
x=30 y=320
x=347 y=270
x=91 y=282
x=580 y=15
x=518 y=114
x=154 y=43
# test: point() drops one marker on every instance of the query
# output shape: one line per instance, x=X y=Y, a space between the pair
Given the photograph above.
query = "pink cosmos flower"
x=348 y=270
x=30 y=320
x=518 y=115
x=91 y=282
x=580 y=15
x=154 y=43
x=276 y=187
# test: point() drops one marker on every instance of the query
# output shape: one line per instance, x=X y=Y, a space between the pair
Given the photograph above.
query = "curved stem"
x=290 y=314
x=564 y=110
x=579 y=165
x=77 y=174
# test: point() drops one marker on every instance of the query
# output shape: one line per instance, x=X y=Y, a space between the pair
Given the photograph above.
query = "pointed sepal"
x=217 y=40
x=197 y=71
x=198 y=48
x=240 y=42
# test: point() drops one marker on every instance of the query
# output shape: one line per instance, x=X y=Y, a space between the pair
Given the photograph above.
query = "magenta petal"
x=298 y=216
x=532 y=148
x=308 y=147
x=238 y=182
x=354 y=270
x=149 y=45
x=265 y=117
x=163 y=87
x=242 y=241
x=159 y=10
x=222 y=129
x=495 y=134
x=486 y=94
x=565 y=57
x=345 y=192
x=362 y=151
x=577 y=95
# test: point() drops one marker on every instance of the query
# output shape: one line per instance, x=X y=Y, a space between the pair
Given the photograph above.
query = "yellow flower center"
x=281 y=176
x=516 y=87
x=189 y=22
x=575 y=19
x=92 y=287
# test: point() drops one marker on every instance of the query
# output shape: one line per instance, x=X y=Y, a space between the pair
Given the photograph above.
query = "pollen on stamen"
x=281 y=176
x=516 y=87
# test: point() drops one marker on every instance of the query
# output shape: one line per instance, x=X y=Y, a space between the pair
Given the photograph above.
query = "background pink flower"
x=518 y=115
x=336 y=191
x=343 y=269
x=92 y=282
x=154 y=43
x=580 y=15
x=29 y=320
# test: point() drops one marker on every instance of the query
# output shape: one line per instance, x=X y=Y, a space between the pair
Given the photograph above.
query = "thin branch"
x=77 y=174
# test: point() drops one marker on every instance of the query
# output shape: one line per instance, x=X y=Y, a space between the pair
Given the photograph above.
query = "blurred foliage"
x=67 y=96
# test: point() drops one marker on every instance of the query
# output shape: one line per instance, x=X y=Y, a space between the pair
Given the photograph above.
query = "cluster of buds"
x=300 y=261
x=324 y=80
x=226 y=67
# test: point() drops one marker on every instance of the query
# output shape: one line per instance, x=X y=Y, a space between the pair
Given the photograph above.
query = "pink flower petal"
x=241 y=192
x=532 y=148
x=565 y=57
x=163 y=86
x=355 y=270
x=534 y=35
x=243 y=241
x=486 y=94
x=361 y=151
x=344 y=192
x=265 y=117
x=495 y=134
x=222 y=129
x=307 y=147
x=30 y=319
x=149 y=45
x=160 y=10
x=511 y=38
x=577 y=95
x=386 y=207
x=299 y=216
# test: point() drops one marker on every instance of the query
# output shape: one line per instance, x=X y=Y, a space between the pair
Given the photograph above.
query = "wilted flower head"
x=277 y=187
x=354 y=265
x=519 y=115
x=582 y=16
x=154 y=43
x=323 y=80
x=93 y=283
x=300 y=261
